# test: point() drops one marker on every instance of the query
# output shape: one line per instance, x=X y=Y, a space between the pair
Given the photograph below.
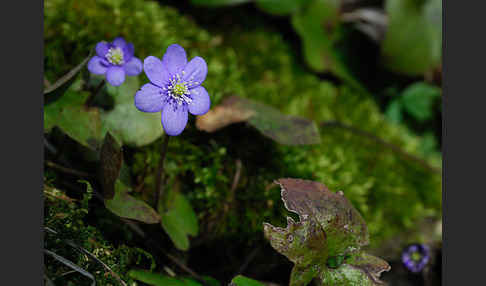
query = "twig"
x=159 y=188
x=380 y=141
x=71 y=265
x=99 y=261
x=67 y=170
x=236 y=178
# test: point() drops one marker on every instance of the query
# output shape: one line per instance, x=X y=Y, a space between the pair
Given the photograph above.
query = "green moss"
x=66 y=217
x=391 y=192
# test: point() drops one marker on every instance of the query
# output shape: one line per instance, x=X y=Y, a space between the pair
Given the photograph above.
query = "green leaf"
x=394 y=111
x=413 y=41
x=79 y=122
x=284 y=129
x=157 y=279
x=241 y=280
x=132 y=126
x=56 y=90
x=280 y=7
x=418 y=100
x=126 y=206
x=218 y=2
x=325 y=243
x=318 y=25
x=179 y=220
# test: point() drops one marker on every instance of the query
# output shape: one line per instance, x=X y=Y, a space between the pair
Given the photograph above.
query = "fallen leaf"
x=326 y=242
x=284 y=129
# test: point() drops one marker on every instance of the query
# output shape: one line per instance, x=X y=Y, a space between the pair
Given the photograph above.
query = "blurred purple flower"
x=415 y=257
x=115 y=60
x=174 y=89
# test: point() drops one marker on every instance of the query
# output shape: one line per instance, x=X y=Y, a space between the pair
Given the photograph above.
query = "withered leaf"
x=111 y=157
x=231 y=110
x=285 y=129
x=326 y=241
x=116 y=193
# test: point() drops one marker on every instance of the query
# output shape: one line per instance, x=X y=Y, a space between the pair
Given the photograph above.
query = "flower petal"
x=200 y=101
x=128 y=52
x=195 y=72
x=175 y=59
x=133 y=67
x=115 y=75
x=95 y=65
x=102 y=49
x=156 y=71
x=119 y=42
x=150 y=98
x=174 y=119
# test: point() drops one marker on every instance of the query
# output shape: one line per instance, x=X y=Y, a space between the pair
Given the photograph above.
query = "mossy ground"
x=392 y=193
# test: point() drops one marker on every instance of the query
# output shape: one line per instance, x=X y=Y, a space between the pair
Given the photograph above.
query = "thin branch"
x=236 y=178
x=380 y=141
x=71 y=265
x=99 y=261
x=67 y=170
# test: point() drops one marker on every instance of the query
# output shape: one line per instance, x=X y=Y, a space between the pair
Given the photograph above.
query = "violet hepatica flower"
x=174 y=89
x=415 y=257
x=115 y=60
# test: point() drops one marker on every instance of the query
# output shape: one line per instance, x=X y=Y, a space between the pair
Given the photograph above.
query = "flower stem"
x=93 y=95
x=159 y=188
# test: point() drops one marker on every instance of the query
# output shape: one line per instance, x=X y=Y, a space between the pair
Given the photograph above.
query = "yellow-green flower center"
x=115 y=56
x=416 y=256
x=179 y=89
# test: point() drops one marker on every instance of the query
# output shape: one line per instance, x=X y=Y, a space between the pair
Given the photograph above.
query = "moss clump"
x=64 y=222
x=391 y=192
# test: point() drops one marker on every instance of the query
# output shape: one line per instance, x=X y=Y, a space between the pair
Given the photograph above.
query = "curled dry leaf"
x=230 y=111
x=326 y=241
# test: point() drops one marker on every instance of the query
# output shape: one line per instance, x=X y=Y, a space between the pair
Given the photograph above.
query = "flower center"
x=115 y=56
x=178 y=90
x=416 y=256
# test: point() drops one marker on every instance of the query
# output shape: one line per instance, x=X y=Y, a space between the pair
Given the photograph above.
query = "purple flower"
x=115 y=60
x=174 y=89
x=415 y=257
